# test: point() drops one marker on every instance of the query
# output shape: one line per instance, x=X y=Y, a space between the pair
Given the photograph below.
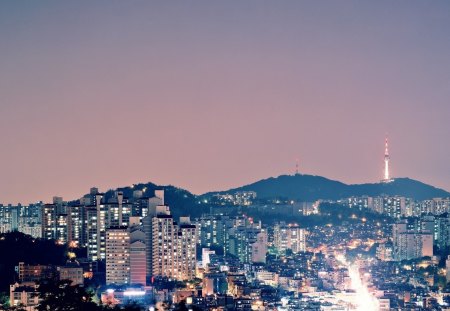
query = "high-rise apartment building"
x=117 y=256
x=186 y=244
x=147 y=222
x=411 y=244
x=172 y=245
x=442 y=231
x=241 y=242
x=54 y=223
x=138 y=253
x=118 y=211
x=164 y=246
x=289 y=237
x=259 y=247
x=76 y=226
x=49 y=221
x=96 y=230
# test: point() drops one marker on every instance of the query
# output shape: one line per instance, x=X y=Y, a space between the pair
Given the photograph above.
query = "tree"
x=61 y=296
x=129 y=307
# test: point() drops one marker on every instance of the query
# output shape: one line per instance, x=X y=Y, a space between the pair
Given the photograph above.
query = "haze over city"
x=209 y=96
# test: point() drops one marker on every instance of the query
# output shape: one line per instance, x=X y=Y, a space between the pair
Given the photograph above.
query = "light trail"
x=364 y=300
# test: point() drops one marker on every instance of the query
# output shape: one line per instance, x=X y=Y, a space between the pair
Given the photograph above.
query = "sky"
x=210 y=95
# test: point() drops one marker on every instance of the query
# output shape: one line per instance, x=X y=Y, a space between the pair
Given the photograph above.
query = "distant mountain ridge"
x=311 y=188
x=295 y=187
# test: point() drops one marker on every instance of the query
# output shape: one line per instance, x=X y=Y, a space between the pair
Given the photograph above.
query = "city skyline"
x=234 y=155
x=212 y=96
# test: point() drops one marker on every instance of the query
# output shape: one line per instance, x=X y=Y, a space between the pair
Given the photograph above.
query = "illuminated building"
x=242 y=240
x=76 y=230
x=54 y=223
x=171 y=246
x=138 y=254
x=245 y=198
x=49 y=221
x=214 y=283
x=129 y=295
x=259 y=247
x=384 y=252
x=35 y=230
x=152 y=203
x=99 y=218
x=164 y=250
x=34 y=273
x=186 y=243
x=117 y=256
x=61 y=228
x=25 y=296
x=289 y=237
x=118 y=211
x=410 y=244
x=213 y=230
x=442 y=231
x=96 y=230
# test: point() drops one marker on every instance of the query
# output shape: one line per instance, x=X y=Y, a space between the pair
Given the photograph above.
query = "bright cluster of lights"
x=134 y=293
x=365 y=301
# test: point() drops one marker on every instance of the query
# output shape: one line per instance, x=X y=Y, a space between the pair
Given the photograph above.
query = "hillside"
x=311 y=188
x=181 y=201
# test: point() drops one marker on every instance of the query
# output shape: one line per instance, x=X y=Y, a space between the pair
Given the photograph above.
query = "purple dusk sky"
x=211 y=95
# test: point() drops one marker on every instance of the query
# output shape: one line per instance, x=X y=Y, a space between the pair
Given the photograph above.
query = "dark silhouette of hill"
x=311 y=188
x=296 y=187
x=16 y=247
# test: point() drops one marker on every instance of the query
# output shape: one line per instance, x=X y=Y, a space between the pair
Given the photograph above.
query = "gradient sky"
x=208 y=95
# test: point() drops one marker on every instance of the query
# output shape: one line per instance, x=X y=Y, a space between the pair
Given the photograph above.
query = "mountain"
x=297 y=187
x=311 y=188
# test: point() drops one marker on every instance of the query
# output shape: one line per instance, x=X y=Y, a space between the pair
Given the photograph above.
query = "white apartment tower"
x=164 y=246
x=173 y=245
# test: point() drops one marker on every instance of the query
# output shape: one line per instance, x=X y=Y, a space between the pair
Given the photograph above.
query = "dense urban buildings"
x=385 y=252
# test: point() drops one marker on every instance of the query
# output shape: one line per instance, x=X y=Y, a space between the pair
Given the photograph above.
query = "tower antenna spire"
x=296 y=166
x=387 y=177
